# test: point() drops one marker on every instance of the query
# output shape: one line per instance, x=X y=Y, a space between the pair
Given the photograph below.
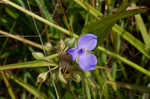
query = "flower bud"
x=61 y=77
x=37 y=55
x=61 y=45
x=42 y=77
x=77 y=78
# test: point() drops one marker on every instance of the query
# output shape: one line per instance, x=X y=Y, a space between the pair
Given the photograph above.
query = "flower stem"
x=130 y=63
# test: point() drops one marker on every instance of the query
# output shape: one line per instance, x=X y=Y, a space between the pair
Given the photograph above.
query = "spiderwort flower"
x=86 y=61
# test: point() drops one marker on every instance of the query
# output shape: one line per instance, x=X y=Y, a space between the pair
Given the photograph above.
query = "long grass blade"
x=129 y=86
x=19 y=38
x=30 y=64
x=130 y=63
x=38 y=17
x=141 y=26
x=28 y=87
x=10 y=90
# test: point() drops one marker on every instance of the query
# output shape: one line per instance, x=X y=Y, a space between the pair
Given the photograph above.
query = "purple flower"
x=86 y=61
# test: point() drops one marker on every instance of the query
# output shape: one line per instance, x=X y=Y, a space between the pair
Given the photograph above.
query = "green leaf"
x=141 y=26
x=11 y=13
x=104 y=24
x=67 y=95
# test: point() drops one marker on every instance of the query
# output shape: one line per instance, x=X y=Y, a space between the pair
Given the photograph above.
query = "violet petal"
x=87 y=41
x=73 y=52
x=87 y=62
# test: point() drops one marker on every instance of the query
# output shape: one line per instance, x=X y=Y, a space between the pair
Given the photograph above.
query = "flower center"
x=81 y=51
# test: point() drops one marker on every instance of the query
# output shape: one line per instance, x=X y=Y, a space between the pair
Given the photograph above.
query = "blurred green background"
x=35 y=33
